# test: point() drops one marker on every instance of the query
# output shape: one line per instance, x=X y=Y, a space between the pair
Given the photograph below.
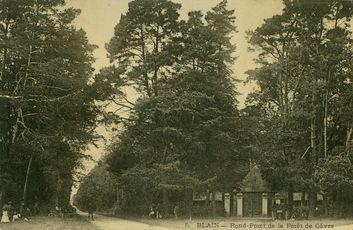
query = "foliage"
x=140 y=40
x=143 y=186
x=335 y=172
x=47 y=116
x=186 y=115
x=304 y=71
x=97 y=191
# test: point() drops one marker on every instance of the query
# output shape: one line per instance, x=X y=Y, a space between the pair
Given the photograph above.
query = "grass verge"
x=50 y=223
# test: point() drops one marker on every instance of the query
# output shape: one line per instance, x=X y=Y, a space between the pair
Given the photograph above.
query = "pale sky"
x=99 y=17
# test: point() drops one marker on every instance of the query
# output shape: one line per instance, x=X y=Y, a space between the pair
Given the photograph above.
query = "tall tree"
x=299 y=75
x=44 y=82
x=193 y=120
x=97 y=190
x=138 y=46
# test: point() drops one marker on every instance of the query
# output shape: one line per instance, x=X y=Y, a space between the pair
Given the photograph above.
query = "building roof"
x=253 y=181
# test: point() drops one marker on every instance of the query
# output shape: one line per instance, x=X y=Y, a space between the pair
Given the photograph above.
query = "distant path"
x=114 y=223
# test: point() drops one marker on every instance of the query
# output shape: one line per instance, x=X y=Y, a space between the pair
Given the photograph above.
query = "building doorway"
x=252 y=204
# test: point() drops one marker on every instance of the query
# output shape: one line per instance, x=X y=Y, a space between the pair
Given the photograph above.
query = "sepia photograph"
x=176 y=114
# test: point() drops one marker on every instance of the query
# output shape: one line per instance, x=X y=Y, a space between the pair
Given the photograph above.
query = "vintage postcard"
x=176 y=114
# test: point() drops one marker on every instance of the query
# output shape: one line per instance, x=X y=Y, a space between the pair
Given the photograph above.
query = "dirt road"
x=112 y=223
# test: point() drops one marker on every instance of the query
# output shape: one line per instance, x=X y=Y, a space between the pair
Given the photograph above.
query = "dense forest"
x=47 y=109
x=185 y=130
x=186 y=133
x=304 y=104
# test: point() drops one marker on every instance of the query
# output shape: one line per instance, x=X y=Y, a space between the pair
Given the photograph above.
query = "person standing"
x=22 y=209
x=91 y=209
x=5 y=215
x=176 y=211
x=10 y=210
x=152 y=214
x=36 y=209
x=90 y=215
x=158 y=211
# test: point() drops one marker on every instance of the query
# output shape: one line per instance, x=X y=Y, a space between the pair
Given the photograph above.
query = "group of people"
x=156 y=213
x=11 y=214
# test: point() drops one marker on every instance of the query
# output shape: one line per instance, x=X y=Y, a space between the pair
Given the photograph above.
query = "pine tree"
x=49 y=115
x=192 y=121
x=302 y=51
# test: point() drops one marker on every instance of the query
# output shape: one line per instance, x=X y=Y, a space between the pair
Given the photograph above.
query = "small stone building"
x=255 y=198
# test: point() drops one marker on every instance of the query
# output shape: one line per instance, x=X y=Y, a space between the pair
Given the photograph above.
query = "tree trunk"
x=348 y=138
x=65 y=188
x=213 y=203
x=325 y=204
x=341 y=202
x=54 y=199
x=223 y=198
x=290 y=200
x=313 y=141
x=313 y=156
x=165 y=201
x=156 y=66
x=325 y=122
x=24 y=195
x=207 y=200
x=1 y=198
x=231 y=200
x=302 y=200
x=5 y=114
x=145 y=74
x=5 y=134
x=188 y=201
x=3 y=66
x=312 y=203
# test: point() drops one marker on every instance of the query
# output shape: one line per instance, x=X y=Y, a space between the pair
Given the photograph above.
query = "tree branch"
x=22 y=98
x=121 y=104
